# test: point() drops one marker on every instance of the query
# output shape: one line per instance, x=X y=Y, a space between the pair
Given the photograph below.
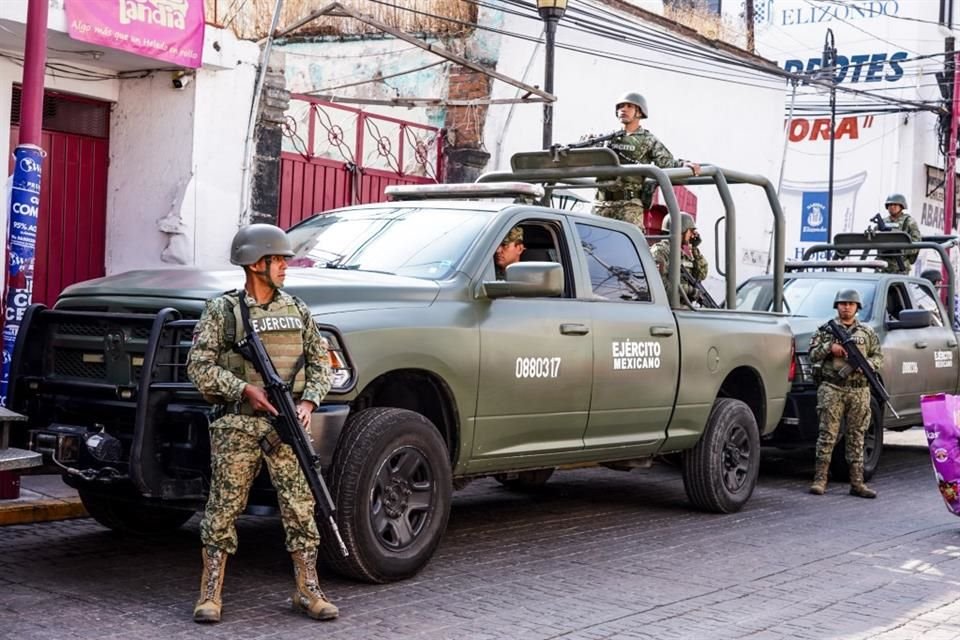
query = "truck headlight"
x=343 y=374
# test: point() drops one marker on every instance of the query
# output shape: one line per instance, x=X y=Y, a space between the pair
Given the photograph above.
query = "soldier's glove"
x=695 y=239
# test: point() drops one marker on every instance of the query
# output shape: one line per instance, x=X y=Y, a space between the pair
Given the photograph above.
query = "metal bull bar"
x=574 y=167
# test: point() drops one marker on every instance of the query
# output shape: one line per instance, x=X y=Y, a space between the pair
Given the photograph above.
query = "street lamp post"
x=550 y=11
x=829 y=67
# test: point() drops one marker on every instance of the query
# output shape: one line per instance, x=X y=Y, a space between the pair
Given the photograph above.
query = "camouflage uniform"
x=693 y=262
x=909 y=226
x=842 y=395
x=629 y=202
x=221 y=374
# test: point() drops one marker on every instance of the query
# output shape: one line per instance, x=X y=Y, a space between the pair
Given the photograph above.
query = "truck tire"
x=720 y=472
x=391 y=482
x=872 y=448
x=525 y=480
x=132 y=518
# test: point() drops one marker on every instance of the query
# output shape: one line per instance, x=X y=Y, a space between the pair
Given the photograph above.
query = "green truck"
x=915 y=330
x=443 y=374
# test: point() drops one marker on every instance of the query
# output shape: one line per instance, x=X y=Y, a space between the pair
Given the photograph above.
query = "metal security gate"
x=71 y=236
x=334 y=156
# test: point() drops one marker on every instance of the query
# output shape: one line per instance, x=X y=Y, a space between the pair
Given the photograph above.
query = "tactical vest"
x=897 y=225
x=839 y=371
x=281 y=331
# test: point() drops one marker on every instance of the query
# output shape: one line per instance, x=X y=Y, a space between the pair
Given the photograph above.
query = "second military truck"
x=442 y=373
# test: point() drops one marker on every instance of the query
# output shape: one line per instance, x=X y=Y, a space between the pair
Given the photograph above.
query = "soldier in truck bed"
x=636 y=146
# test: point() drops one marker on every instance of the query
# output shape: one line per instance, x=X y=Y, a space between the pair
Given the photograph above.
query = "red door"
x=71 y=235
x=335 y=155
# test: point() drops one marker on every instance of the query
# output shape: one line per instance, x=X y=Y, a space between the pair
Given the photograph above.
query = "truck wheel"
x=391 y=482
x=720 y=472
x=872 y=448
x=524 y=480
x=133 y=518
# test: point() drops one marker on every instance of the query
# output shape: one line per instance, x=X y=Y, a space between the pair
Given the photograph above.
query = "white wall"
x=728 y=124
x=176 y=162
x=176 y=156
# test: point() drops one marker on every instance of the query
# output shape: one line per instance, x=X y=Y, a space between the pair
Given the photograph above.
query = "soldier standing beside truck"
x=628 y=200
x=243 y=438
x=843 y=392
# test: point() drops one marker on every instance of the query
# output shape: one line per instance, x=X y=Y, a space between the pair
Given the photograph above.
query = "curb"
x=44 y=510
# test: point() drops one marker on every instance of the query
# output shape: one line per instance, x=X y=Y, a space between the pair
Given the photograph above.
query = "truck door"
x=938 y=343
x=536 y=356
x=904 y=352
x=635 y=343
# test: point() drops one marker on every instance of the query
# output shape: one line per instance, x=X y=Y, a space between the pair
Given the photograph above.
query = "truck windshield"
x=810 y=297
x=421 y=243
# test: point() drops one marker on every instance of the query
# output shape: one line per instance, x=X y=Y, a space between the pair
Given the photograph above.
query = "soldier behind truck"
x=637 y=145
x=843 y=392
x=690 y=257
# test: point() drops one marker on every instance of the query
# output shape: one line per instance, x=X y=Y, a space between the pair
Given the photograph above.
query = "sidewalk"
x=42 y=498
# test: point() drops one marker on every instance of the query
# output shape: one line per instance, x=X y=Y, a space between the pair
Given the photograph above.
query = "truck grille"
x=69 y=364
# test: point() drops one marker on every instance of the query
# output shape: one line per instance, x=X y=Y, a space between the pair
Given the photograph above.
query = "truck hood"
x=324 y=290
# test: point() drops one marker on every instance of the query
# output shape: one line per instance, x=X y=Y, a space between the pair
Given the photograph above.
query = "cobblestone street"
x=596 y=554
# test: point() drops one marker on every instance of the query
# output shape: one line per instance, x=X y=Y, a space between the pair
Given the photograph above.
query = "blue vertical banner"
x=814 y=219
x=21 y=248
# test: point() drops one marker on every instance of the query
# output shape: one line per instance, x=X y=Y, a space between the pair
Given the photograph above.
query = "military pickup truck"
x=442 y=373
x=915 y=330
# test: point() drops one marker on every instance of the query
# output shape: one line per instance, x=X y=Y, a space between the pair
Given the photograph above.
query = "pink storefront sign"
x=168 y=30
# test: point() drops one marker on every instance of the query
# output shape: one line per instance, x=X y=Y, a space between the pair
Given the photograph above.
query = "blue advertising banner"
x=814 y=218
x=21 y=246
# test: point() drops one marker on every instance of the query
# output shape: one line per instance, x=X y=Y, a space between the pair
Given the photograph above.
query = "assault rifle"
x=595 y=141
x=877 y=219
x=858 y=361
x=706 y=300
x=286 y=423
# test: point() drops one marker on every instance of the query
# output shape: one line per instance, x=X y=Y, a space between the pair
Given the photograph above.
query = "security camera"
x=181 y=79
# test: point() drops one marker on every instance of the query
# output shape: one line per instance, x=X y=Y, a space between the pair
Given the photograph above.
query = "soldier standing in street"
x=843 y=393
x=690 y=257
x=636 y=146
x=898 y=220
x=243 y=437
x=508 y=252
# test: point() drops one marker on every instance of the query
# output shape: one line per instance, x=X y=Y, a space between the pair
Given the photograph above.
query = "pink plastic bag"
x=941 y=421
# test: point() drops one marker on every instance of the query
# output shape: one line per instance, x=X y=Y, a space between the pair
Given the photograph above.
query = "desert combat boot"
x=820 y=473
x=857 y=486
x=208 y=605
x=308 y=597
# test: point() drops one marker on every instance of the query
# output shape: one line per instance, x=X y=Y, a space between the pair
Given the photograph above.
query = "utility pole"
x=25 y=194
x=950 y=159
x=748 y=9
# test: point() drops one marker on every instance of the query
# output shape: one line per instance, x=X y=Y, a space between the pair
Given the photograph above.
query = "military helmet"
x=255 y=241
x=933 y=275
x=635 y=99
x=896 y=198
x=686 y=223
x=848 y=295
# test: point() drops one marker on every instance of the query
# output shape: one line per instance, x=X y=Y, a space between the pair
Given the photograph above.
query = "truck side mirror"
x=911 y=319
x=528 y=280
